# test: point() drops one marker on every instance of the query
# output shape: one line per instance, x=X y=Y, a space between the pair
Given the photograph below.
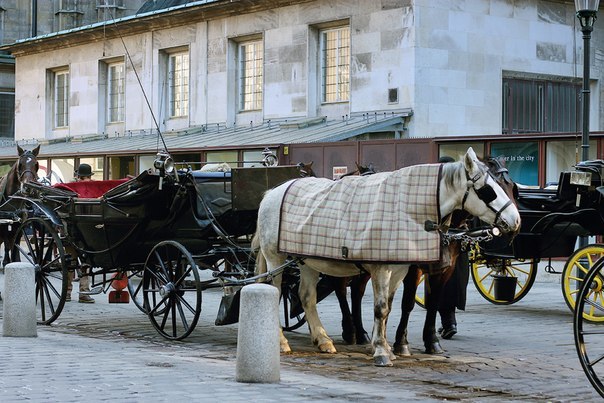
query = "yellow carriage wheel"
x=486 y=267
x=575 y=269
x=420 y=293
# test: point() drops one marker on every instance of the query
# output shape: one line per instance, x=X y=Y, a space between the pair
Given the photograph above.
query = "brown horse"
x=25 y=169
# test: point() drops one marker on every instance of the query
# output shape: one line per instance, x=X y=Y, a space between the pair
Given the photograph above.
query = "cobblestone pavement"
x=101 y=352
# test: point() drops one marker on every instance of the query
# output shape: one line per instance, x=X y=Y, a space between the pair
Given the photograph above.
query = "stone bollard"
x=258 y=354
x=19 y=315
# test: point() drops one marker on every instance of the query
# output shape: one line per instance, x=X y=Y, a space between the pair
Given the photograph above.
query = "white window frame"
x=116 y=92
x=61 y=98
x=334 y=46
x=250 y=75
x=178 y=84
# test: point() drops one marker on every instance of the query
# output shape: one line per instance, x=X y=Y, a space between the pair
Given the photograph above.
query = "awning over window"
x=309 y=130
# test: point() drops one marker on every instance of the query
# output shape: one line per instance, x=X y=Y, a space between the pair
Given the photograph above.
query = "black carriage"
x=552 y=222
x=171 y=235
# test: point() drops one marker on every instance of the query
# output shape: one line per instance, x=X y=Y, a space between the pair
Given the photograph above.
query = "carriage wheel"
x=589 y=334
x=484 y=268
x=289 y=301
x=172 y=299
x=420 y=293
x=135 y=287
x=38 y=243
x=575 y=269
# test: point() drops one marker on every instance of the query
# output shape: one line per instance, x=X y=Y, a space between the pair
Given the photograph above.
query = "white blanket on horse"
x=375 y=218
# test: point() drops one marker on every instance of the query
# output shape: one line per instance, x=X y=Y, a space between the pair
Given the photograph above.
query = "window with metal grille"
x=251 y=60
x=335 y=64
x=178 y=81
x=7 y=114
x=115 y=92
x=61 y=98
x=540 y=106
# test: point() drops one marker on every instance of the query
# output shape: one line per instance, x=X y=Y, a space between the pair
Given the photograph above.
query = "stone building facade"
x=475 y=69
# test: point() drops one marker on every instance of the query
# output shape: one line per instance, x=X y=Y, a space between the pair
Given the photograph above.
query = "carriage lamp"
x=580 y=178
x=163 y=162
x=587 y=11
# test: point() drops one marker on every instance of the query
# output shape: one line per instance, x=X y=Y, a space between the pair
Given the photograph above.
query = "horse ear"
x=470 y=160
x=20 y=150
x=36 y=150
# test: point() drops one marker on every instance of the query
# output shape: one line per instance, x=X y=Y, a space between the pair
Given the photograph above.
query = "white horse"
x=464 y=185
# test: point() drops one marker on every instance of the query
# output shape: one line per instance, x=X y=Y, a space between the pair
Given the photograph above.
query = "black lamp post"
x=587 y=11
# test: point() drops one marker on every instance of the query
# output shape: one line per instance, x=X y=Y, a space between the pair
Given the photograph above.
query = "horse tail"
x=261 y=266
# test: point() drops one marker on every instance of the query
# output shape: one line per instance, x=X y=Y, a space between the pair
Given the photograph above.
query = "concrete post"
x=258 y=355
x=19 y=312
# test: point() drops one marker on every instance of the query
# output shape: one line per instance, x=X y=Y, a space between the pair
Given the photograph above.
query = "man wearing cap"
x=82 y=174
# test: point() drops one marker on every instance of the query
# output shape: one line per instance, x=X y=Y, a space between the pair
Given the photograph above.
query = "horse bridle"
x=20 y=173
x=485 y=193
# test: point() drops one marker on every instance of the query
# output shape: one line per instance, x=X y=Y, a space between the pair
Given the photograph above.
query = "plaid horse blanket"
x=375 y=218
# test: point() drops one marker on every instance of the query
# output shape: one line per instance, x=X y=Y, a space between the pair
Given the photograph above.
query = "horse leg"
x=308 y=296
x=263 y=265
x=432 y=300
x=382 y=302
x=357 y=290
x=401 y=344
x=348 y=329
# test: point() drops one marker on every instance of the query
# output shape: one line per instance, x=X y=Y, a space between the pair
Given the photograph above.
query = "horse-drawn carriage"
x=552 y=223
x=160 y=230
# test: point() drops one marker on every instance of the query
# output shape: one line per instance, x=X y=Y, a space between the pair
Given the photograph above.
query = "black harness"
x=485 y=193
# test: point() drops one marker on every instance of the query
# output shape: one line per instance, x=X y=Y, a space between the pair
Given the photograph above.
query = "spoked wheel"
x=575 y=269
x=589 y=335
x=172 y=297
x=420 y=294
x=484 y=268
x=38 y=243
x=135 y=289
x=292 y=316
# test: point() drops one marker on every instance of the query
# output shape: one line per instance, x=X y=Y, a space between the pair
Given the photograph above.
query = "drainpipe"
x=34 y=18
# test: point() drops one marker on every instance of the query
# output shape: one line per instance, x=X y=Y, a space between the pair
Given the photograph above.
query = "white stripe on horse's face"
x=28 y=159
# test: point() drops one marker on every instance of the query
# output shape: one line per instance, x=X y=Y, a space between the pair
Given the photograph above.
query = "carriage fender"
x=45 y=211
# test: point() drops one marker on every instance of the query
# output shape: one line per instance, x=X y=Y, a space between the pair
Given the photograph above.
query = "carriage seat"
x=90 y=189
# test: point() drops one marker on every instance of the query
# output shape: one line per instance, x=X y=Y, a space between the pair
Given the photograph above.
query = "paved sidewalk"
x=101 y=352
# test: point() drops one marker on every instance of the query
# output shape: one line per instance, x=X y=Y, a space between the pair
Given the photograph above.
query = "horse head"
x=27 y=165
x=479 y=193
x=305 y=169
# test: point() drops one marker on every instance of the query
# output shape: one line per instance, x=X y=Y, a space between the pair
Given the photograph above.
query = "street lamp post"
x=587 y=11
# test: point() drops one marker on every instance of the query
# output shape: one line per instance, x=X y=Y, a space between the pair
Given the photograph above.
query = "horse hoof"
x=382 y=361
x=434 y=348
x=403 y=350
x=363 y=339
x=327 y=348
x=285 y=348
x=349 y=338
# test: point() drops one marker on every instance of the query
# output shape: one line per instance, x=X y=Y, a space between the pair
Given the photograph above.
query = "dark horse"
x=22 y=171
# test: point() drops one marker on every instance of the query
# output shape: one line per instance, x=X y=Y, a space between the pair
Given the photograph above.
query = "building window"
x=178 y=83
x=61 y=98
x=522 y=160
x=7 y=114
x=540 y=106
x=115 y=92
x=335 y=64
x=251 y=59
